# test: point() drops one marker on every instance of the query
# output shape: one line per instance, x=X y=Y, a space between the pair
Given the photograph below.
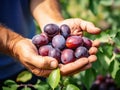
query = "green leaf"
x=89 y=77
x=114 y=67
x=117 y=41
x=6 y=88
x=66 y=81
x=104 y=39
x=24 y=76
x=106 y=2
x=117 y=3
x=10 y=82
x=26 y=88
x=38 y=81
x=42 y=86
x=93 y=6
x=72 y=87
x=117 y=78
x=54 y=78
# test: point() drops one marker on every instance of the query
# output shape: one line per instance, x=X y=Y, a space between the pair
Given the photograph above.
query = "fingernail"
x=53 y=64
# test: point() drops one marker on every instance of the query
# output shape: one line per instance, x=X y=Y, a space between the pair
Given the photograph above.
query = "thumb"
x=44 y=62
x=89 y=27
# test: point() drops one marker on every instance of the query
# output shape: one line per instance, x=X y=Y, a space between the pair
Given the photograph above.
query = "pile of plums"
x=104 y=83
x=57 y=42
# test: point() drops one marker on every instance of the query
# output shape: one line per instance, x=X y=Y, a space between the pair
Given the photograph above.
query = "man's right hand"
x=27 y=54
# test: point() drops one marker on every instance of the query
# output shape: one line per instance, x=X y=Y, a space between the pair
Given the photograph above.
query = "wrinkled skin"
x=27 y=54
x=78 y=26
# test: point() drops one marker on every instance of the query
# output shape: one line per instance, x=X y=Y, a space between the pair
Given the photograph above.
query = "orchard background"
x=104 y=14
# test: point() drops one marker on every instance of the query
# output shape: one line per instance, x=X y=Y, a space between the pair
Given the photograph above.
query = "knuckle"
x=90 y=23
x=44 y=63
x=39 y=72
x=36 y=72
x=93 y=50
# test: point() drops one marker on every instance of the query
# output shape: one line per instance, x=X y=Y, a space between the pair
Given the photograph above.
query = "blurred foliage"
x=105 y=14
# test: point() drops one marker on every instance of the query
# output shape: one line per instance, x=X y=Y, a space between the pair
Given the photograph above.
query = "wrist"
x=8 y=39
x=45 y=12
x=12 y=43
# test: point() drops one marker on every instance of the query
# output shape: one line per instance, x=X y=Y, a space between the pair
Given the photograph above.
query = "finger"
x=73 y=66
x=81 y=69
x=31 y=56
x=89 y=27
x=92 y=58
x=93 y=50
x=86 y=67
x=41 y=72
x=96 y=43
x=43 y=62
x=38 y=71
x=77 y=32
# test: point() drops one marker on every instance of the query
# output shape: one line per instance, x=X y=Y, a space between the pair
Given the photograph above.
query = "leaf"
x=104 y=39
x=6 y=88
x=10 y=82
x=117 y=3
x=89 y=77
x=38 y=81
x=117 y=78
x=45 y=87
x=42 y=86
x=93 y=6
x=72 y=87
x=24 y=76
x=54 y=78
x=104 y=61
x=114 y=67
x=26 y=88
x=66 y=81
x=106 y=2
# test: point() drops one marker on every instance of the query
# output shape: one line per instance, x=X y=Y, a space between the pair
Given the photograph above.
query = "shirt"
x=16 y=15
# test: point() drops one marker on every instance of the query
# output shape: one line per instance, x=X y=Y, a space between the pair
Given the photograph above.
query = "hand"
x=27 y=54
x=80 y=64
x=77 y=27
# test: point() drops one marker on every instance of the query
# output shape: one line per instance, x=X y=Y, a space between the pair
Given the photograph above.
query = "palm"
x=27 y=54
x=77 y=26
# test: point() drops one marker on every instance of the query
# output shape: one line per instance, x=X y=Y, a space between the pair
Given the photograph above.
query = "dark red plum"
x=44 y=50
x=74 y=41
x=116 y=50
x=103 y=86
x=55 y=53
x=104 y=83
x=39 y=40
x=81 y=52
x=65 y=30
x=58 y=41
x=67 y=56
x=51 y=30
x=101 y=78
x=87 y=42
x=95 y=85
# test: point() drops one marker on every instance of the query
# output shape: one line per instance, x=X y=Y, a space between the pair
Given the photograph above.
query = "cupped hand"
x=77 y=27
x=80 y=64
x=27 y=54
